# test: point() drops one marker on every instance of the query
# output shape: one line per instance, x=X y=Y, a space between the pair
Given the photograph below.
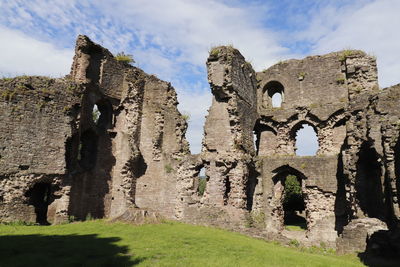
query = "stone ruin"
x=58 y=161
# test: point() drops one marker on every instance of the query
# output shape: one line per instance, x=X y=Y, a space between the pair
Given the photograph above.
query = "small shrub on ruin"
x=340 y=80
x=345 y=54
x=185 y=116
x=294 y=243
x=71 y=219
x=249 y=223
x=89 y=217
x=168 y=168
x=301 y=76
x=214 y=52
x=121 y=56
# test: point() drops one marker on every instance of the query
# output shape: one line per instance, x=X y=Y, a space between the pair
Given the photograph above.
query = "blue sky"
x=171 y=38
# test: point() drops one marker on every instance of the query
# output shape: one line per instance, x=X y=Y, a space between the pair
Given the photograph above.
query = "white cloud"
x=193 y=27
x=372 y=28
x=22 y=54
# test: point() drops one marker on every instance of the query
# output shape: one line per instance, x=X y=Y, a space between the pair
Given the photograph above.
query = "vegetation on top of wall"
x=214 y=52
x=126 y=58
x=345 y=54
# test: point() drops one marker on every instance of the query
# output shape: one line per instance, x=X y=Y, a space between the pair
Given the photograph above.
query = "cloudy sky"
x=171 y=38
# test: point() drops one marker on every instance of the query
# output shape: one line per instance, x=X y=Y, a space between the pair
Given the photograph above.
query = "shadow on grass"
x=63 y=250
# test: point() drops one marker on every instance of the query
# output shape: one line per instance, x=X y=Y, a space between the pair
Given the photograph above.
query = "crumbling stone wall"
x=228 y=144
x=145 y=134
x=38 y=117
x=94 y=167
x=338 y=95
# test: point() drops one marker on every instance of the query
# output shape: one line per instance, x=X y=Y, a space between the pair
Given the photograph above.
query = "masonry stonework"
x=58 y=160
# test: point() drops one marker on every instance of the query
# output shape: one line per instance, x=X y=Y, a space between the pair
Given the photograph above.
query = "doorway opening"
x=39 y=197
x=368 y=182
x=293 y=204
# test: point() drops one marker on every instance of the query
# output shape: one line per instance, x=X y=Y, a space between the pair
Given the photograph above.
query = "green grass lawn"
x=99 y=243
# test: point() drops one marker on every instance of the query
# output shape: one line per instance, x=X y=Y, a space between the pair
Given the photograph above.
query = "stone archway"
x=305 y=137
x=273 y=94
x=286 y=210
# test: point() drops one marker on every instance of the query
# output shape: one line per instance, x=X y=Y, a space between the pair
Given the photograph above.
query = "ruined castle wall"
x=163 y=145
x=38 y=119
x=138 y=148
x=373 y=136
x=59 y=160
x=94 y=160
x=314 y=81
x=319 y=188
x=227 y=144
x=316 y=91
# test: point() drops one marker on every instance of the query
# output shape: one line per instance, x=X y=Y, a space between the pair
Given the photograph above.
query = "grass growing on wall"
x=98 y=243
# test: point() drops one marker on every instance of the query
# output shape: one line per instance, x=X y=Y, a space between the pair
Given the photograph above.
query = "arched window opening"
x=102 y=114
x=306 y=140
x=274 y=94
x=87 y=155
x=293 y=204
x=39 y=197
x=201 y=182
x=368 y=183
x=276 y=100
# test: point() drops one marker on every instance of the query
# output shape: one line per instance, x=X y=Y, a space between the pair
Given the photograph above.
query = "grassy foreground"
x=99 y=243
